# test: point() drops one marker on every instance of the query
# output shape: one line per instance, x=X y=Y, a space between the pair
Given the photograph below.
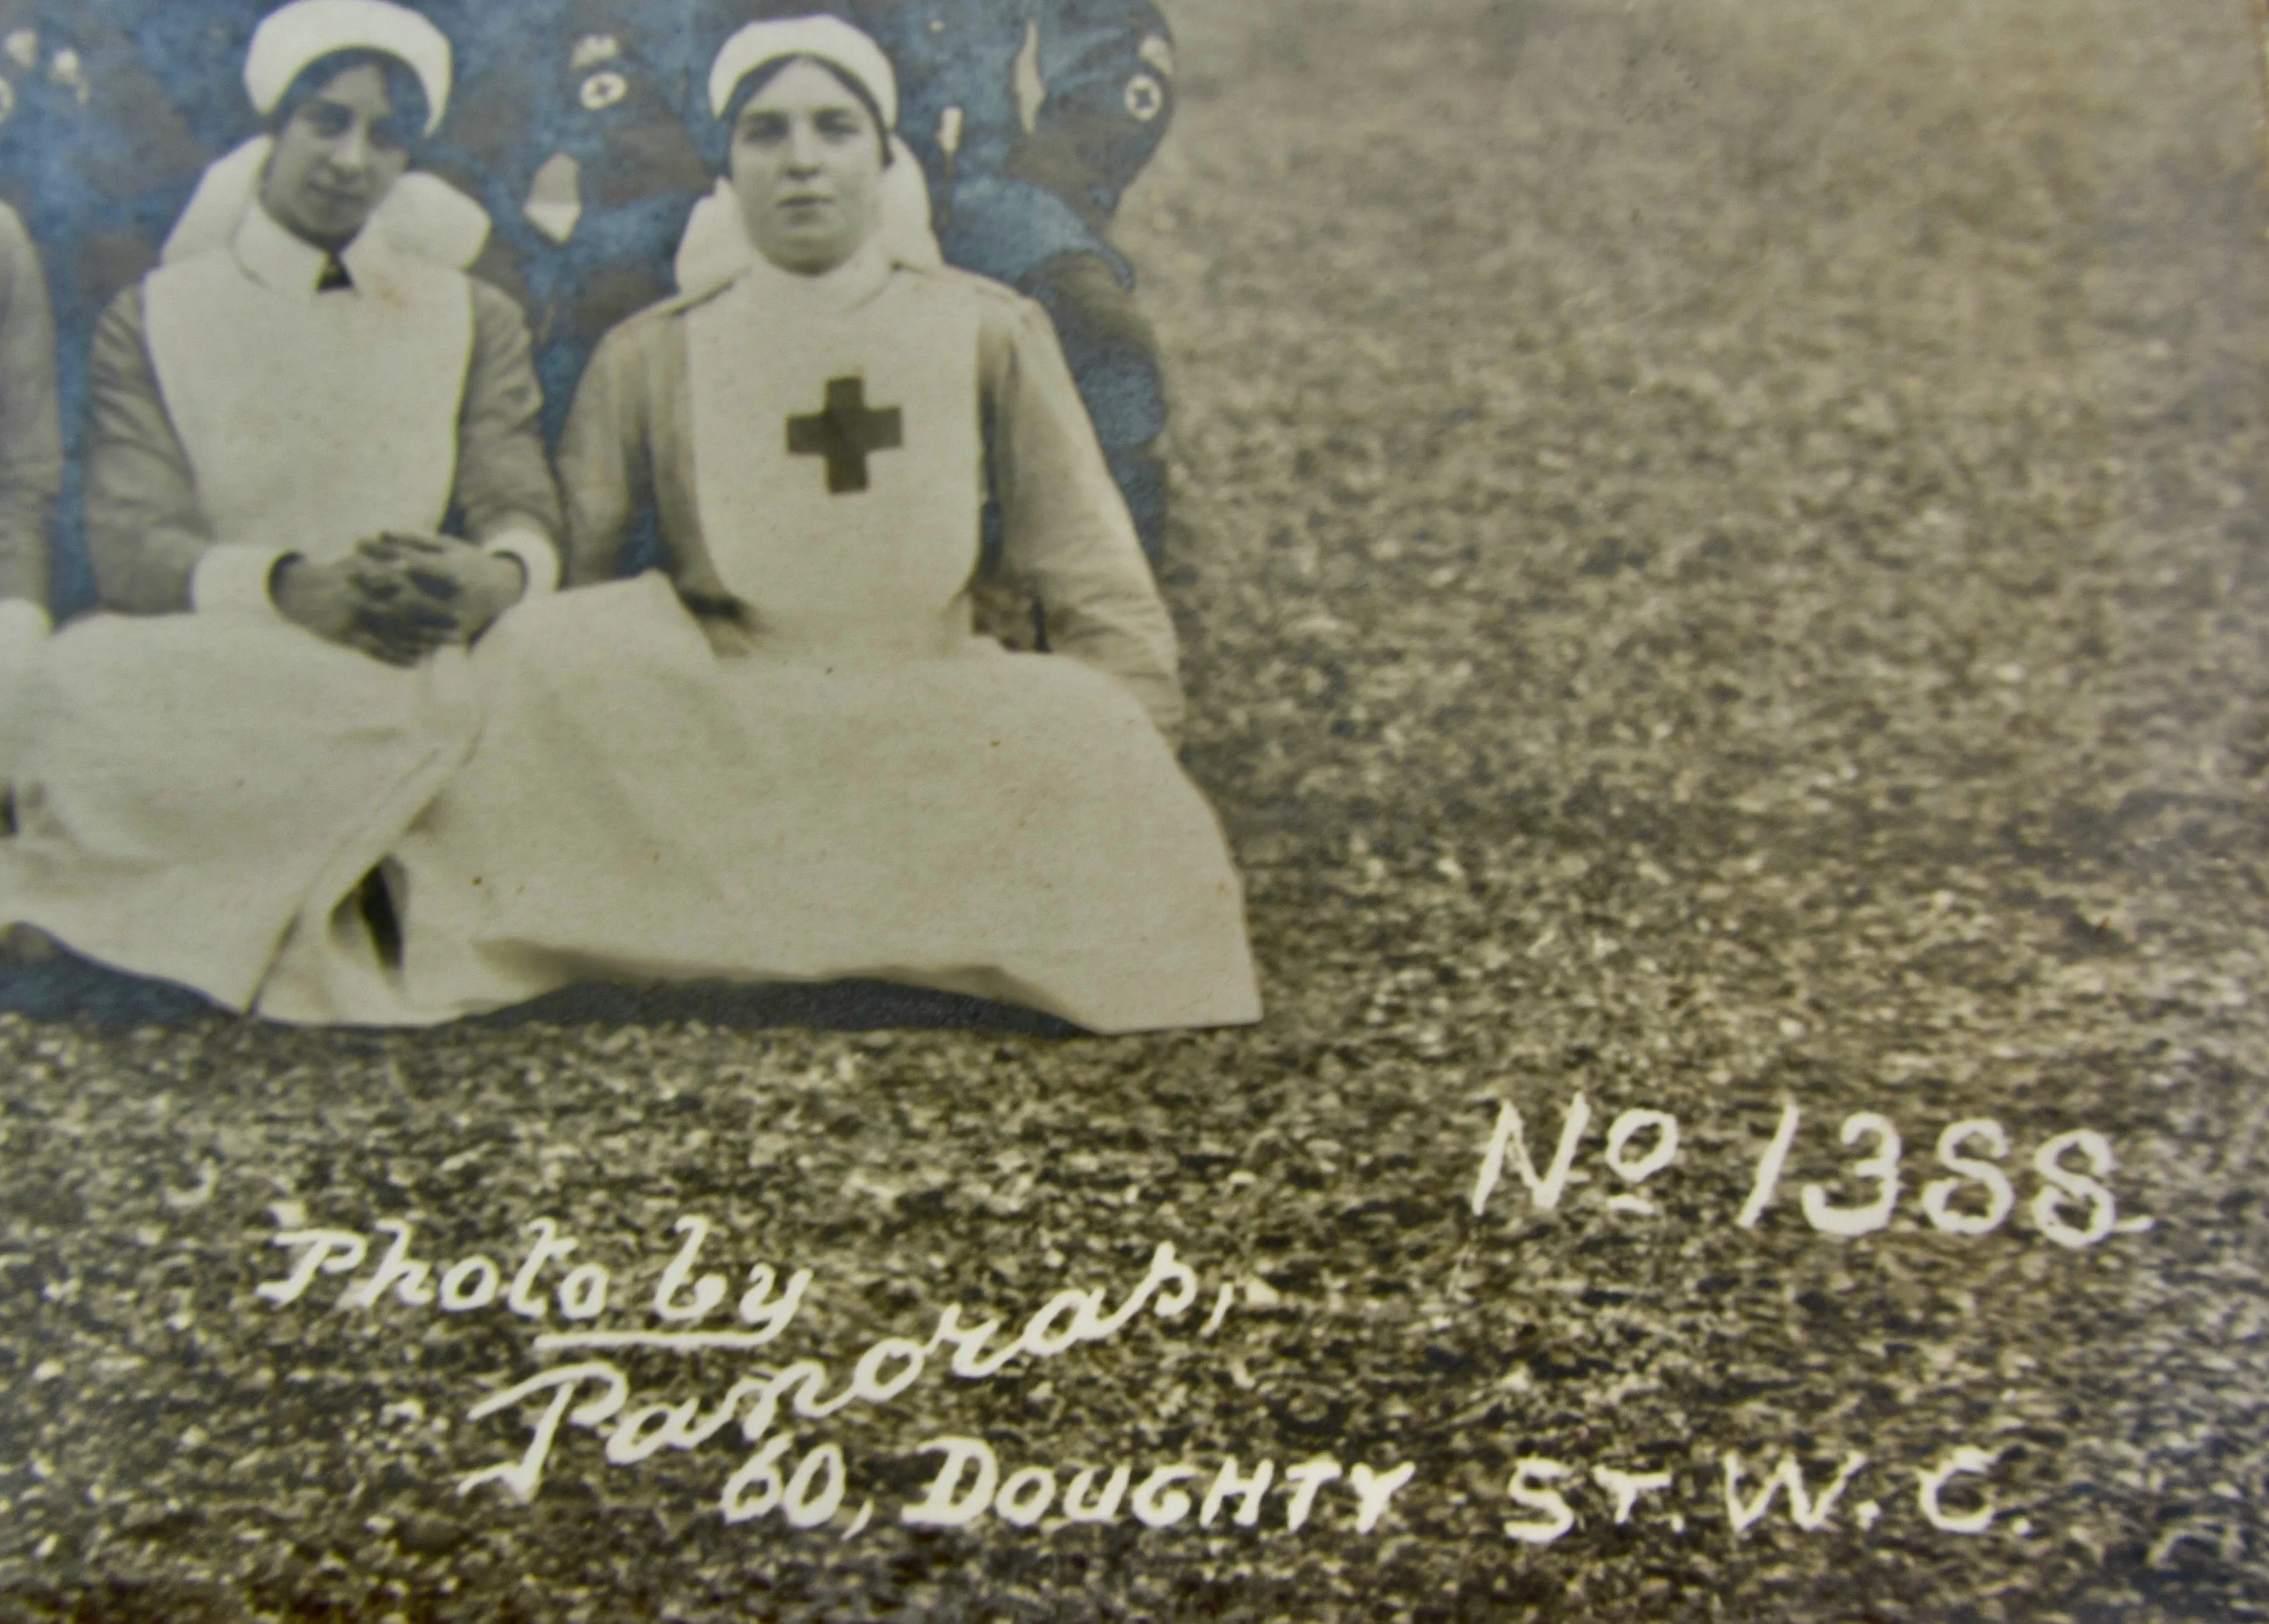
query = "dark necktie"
x=334 y=278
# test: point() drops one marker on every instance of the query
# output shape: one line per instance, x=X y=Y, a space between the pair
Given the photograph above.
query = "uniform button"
x=1146 y=97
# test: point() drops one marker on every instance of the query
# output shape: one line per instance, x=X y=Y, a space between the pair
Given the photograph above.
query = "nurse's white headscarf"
x=422 y=215
x=287 y=42
x=716 y=248
x=830 y=38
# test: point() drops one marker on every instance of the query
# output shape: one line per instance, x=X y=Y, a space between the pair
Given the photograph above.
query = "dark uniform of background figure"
x=20 y=66
x=115 y=107
x=568 y=125
x=1030 y=119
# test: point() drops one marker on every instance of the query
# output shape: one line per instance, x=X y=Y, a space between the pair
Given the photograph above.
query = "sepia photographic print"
x=1044 y=810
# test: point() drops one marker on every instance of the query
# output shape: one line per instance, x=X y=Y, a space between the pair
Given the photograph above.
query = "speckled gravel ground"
x=1721 y=557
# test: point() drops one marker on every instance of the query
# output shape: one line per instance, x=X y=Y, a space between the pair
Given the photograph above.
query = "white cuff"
x=23 y=622
x=537 y=554
x=234 y=576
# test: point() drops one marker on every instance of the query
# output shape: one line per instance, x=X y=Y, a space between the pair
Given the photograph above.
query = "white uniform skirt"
x=198 y=797
x=1009 y=826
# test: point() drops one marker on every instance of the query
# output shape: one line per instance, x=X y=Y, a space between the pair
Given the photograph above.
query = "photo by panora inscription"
x=972 y=811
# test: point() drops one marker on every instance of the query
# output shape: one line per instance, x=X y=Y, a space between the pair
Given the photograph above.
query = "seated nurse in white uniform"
x=282 y=414
x=788 y=757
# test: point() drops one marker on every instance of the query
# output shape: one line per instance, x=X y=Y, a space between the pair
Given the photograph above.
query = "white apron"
x=313 y=421
x=200 y=793
x=873 y=793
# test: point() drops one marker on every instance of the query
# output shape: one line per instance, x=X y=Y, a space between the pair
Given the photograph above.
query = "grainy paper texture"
x=1716 y=551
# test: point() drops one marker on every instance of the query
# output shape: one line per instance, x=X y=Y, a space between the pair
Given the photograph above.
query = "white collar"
x=421 y=216
x=279 y=259
x=852 y=284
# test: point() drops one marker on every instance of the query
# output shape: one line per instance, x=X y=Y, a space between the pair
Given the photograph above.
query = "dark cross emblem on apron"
x=844 y=431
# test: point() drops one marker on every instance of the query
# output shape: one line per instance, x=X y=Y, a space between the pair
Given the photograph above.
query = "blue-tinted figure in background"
x=1031 y=118
x=22 y=64
x=572 y=134
x=571 y=131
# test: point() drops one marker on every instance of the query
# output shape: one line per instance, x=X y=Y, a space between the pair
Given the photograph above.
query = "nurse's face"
x=806 y=166
x=335 y=158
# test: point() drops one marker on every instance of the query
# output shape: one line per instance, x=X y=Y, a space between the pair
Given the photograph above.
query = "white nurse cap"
x=306 y=30
x=830 y=38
